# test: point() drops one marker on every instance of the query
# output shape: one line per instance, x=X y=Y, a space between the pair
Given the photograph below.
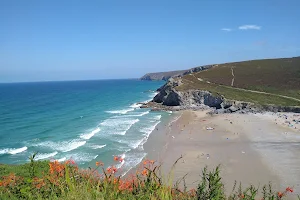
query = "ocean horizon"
x=85 y=120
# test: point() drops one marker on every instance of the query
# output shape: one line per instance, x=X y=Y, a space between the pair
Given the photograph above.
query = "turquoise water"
x=87 y=121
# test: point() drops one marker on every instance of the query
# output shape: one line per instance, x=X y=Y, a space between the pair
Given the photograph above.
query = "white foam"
x=135 y=105
x=132 y=160
x=98 y=146
x=42 y=156
x=12 y=151
x=3 y=151
x=81 y=157
x=64 y=146
x=157 y=117
x=136 y=144
x=124 y=111
x=133 y=144
x=88 y=136
x=119 y=126
x=152 y=95
x=174 y=120
x=62 y=159
x=148 y=130
x=139 y=115
x=73 y=145
x=15 y=151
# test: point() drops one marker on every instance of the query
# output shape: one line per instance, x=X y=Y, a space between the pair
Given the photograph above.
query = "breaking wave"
x=43 y=156
x=97 y=146
x=64 y=146
x=140 y=114
x=88 y=136
x=135 y=105
x=13 y=150
x=123 y=112
x=119 y=126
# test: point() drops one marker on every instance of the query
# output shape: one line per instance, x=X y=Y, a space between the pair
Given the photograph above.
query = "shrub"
x=67 y=181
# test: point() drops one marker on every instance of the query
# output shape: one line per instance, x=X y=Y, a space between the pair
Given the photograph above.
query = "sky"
x=80 y=40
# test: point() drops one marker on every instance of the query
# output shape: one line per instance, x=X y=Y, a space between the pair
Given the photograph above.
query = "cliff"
x=162 y=75
x=167 y=75
x=170 y=98
x=260 y=85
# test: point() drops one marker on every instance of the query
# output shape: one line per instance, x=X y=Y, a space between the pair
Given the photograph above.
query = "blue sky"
x=72 y=40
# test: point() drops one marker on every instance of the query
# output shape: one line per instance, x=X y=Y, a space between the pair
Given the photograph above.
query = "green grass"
x=269 y=75
x=190 y=82
x=274 y=76
x=23 y=170
x=65 y=181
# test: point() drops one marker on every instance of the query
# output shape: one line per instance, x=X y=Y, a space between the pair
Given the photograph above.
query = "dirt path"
x=259 y=92
x=246 y=90
x=232 y=81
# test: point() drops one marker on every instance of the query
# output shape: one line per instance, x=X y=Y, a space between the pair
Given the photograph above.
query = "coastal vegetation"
x=55 y=180
x=263 y=82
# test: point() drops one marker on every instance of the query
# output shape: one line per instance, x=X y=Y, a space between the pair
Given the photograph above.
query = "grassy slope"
x=275 y=76
x=23 y=170
x=161 y=75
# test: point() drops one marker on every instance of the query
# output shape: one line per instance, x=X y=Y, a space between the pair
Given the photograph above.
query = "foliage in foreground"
x=67 y=181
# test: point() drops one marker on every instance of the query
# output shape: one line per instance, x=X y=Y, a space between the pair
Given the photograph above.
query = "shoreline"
x=251 y=148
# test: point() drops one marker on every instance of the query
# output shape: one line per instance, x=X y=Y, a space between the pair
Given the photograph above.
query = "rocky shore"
x=169 y=98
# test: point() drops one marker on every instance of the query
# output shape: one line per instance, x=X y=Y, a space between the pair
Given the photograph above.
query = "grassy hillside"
x=162 y=75
x=269 y=81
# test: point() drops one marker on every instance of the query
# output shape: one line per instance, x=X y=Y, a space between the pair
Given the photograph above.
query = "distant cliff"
x=256 y=85
x=167 y=75
x=162 y=75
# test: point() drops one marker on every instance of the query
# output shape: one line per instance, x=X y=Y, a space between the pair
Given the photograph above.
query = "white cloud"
x=247 y=27
x=226 y=29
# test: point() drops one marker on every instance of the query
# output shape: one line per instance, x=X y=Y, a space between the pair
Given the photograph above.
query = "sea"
x=86 y=121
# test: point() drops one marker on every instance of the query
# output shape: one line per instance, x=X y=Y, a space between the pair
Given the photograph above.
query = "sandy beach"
x=251 y=148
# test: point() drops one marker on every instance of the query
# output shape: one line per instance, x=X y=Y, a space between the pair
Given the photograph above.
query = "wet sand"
x=250 y=148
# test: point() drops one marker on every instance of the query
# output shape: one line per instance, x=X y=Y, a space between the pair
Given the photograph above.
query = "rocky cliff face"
x=169 y=98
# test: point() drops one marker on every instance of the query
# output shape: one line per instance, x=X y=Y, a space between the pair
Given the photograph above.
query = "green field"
x=270 y=81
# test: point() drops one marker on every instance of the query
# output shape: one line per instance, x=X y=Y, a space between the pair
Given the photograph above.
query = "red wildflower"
x=109 y=170
x=145 y=172
x=145 y=162
x=99 y=163
x=68 y=162
x=280 y=194
x=288 y=189
x=72 y=162
x=114 y=169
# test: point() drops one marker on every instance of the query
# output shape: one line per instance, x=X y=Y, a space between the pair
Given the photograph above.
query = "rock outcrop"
x=169 y=98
